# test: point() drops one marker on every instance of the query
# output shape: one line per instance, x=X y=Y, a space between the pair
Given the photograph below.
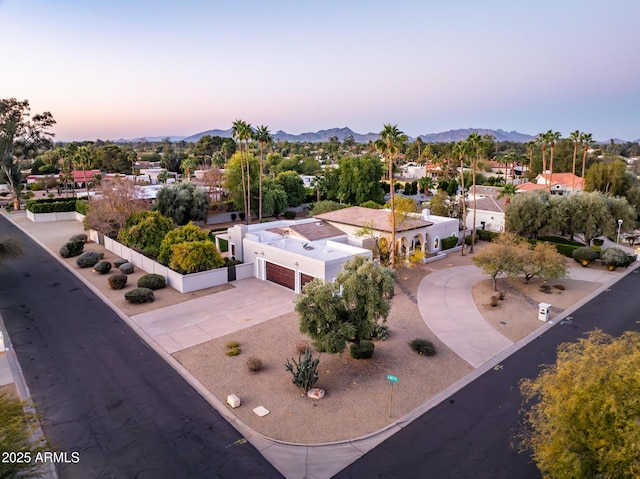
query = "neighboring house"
x=562 y=183
x=78 y=177
x=293 y=252
x=489 y=208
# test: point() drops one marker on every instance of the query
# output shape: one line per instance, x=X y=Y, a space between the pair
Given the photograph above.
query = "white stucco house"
x=489 y=208
x=293 y=252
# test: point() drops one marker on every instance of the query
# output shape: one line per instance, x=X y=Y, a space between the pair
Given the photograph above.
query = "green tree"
x=263 y=137
x=544 y=261
x=195 y=256
x=587 y=142
x=144 y=231
x=325 y=206
x=293 y=185
x=529 y=213
x=575 y=140
x=359 y=180
x=274 y=199
x=389 y=144
x=18 y=425
x=181 y=234
x=84 y=160
x=475 y=145
x=462 y=150
x=347 y=310
x=234 y=178
x=583 y=411
x=502 y=256
x=183 y=202
x=552 y=137
x=241 y=130
x=608 y=178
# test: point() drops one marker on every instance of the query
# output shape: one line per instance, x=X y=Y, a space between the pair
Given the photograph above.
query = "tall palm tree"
x=552 y=137
x=587 y=142
x=575 y=138
x=82 y=158
x=263 y=136
x=390 y=142
x=542 y=142
x=462 y=149
x=237 y=132
x=475 y=144
x=507 y=192
x=531 y=145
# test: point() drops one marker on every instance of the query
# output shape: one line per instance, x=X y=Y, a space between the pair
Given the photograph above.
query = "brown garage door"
x=304 y=279
x=281 y=275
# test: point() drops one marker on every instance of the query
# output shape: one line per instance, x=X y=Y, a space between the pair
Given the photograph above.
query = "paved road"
x=102 y=392
x=470 y=434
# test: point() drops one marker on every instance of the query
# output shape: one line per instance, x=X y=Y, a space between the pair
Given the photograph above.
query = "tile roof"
x=361 y=217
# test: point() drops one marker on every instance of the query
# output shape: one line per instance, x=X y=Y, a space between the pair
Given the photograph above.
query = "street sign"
x=391 y=378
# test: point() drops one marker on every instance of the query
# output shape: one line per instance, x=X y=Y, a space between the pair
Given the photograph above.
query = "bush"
x=566 y=249
x=423 y=347
x=79 y=237
x=362 y=351
x=494 y=301
x=126 y=268
x=305 y=374
x=561 y=240
x=614 y=257
x=598 y=242
x=51 y=205
x=89 y=259
x=144 y=231
x=102 y=267
x=254 y=364
x=152 y=281
x=181 y=234
x=486 y=235
x=82 y=207
x=117 y=281
x=467 y=239
x=195 y=256
x=449 y=242
x=380 y=332
x=183 y=202
x=71 y=248
x=233 y=352
x=231 y=344
x=290 y=214
x=585 y=255
x=118 y=262
x=139 y=295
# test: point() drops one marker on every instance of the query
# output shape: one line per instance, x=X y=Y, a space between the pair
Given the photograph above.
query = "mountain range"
x=344 y=132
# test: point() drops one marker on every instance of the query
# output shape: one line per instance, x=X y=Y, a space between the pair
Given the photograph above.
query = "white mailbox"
x=543 y=311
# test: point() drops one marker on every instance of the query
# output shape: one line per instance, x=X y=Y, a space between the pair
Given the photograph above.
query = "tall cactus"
x=305 y=375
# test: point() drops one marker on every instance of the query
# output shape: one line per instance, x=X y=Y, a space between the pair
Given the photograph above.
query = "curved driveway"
x=446 y=305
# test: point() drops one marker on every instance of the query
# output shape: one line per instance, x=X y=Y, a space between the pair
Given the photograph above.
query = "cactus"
x=305 y=375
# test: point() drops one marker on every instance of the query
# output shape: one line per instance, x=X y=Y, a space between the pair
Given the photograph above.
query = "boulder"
x=315 y=393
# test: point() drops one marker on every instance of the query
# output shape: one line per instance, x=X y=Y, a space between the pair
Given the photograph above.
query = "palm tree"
x=506 y=192
x=587 y=142
x=575 y=138
x=238 y=130
x=389 y=144
x=531 y=145
x=263 y=137
x=462 y=149
x=542 y=143
x=552 y=137
x=82 y=158
x=475 y=144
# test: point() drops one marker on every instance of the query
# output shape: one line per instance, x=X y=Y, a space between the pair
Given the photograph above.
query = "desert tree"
x=183 y=202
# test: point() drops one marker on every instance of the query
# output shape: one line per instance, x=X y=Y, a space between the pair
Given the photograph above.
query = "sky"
x=137 y=68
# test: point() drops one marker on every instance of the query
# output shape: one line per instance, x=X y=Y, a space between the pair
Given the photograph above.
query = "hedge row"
x=559 y=240
x=449 y=242
x=56 y=205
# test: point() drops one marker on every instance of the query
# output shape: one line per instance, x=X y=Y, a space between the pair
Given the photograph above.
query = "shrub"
x=82 y=207
x=79 y=237
x=126 y=268
x=305 y=371
x=380 y=332
x=195 y=256
x=51 y=205
x=233 y=351
x=467 y=239
x=144 y=231
x=139 y=295
x=423 y=347
x=118 y=262
x=598 y=242
x=152 y=281
x=494 y=301
x=231 y=344
x=88 y=259
x=290 y=214
x=233 y=216
x=254 y=364
x=585 y=255
x=102 y=267
x=614 y=257
x=486 y=235
x=449 y=242
x=364 y=350
x=71 y=248
x=181 y=234
x=500 y=295
x=566 y=249
x=183 y=202
x=561 y=240
x=117 y=281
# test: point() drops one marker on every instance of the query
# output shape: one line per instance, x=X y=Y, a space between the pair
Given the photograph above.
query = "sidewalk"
x=458 y=324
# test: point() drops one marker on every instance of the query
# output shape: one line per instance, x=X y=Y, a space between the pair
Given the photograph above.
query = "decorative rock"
x=233 y=401
x=315 y=393
x=126 y=268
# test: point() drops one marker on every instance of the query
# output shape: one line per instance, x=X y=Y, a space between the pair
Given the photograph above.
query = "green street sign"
x=391 y=378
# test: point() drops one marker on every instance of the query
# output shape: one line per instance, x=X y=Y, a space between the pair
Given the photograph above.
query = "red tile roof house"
x=561 y=183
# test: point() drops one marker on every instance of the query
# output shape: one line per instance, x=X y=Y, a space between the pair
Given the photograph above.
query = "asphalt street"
x=102 y=392
x=471 y=435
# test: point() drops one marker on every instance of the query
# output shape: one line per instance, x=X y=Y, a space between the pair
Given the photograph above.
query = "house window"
x=436 y=243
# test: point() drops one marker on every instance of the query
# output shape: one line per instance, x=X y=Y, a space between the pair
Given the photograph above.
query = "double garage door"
x=285 y=276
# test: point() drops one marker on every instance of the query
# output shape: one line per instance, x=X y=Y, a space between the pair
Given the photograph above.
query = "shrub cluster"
x=126 y=268
x=195 y=256
x=89 y=259
x=486 y=235
x=144 y=231
x=585 y=255
x=254 y=364
x=364 y=350
x=117 y=281
x=181 y=234
x=233 y=348
x=423 y=347
x=102 y=267
x=449 y=242
x=71 y=248
x=51 y=205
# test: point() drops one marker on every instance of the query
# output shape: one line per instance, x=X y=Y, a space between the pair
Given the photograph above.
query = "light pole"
x=619 y=226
